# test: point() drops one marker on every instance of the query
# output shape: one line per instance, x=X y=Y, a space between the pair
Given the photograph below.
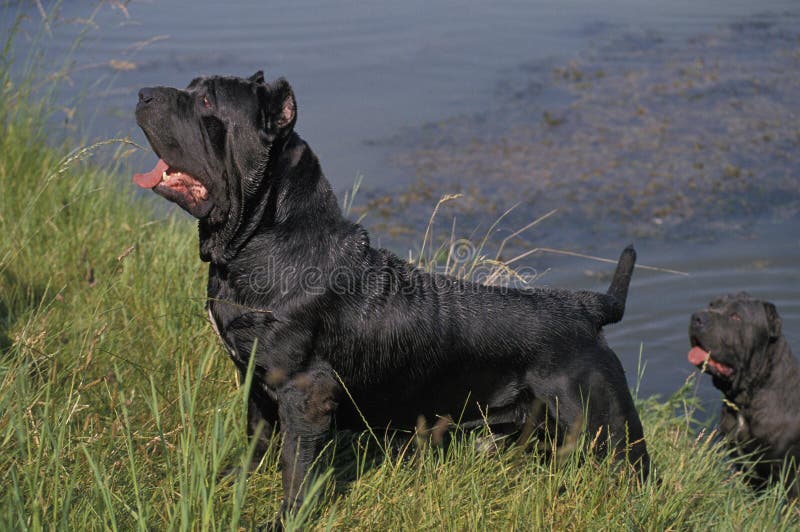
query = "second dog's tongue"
x=697 y=356
x=153 y=177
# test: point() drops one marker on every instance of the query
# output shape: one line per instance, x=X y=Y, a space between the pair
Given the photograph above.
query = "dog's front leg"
x=262 y=421
x=306 y=404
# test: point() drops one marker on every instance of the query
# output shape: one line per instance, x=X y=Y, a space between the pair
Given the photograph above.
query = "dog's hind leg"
x=596 y=395
x=612 y=421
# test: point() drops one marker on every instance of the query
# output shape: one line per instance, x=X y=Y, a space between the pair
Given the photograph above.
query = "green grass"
x=118 y=408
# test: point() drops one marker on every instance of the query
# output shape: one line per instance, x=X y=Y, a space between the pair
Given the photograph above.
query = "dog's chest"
x=735 y=427
x=220 y=311
x=218 y=325
x=240 y=327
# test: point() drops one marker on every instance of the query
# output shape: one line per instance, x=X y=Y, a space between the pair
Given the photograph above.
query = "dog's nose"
x=699 y=320
x=146 y=95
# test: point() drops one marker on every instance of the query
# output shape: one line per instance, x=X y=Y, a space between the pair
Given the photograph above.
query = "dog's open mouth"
x=176 y=186
x=702 y=358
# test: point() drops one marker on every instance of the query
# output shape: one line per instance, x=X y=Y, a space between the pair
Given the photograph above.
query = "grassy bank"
x=118 y=408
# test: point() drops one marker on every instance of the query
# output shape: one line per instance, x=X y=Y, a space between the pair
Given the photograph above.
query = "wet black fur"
x=761 y=414
x=403 y=343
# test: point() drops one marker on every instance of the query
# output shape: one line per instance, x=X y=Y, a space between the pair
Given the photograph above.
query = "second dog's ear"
x=774 y=322
x=258 y=77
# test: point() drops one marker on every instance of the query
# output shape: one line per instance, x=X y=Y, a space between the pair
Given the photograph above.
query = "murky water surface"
x=675 y=125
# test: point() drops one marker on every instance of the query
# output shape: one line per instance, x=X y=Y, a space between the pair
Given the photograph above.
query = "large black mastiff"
x=738 y=340
x=343 y=332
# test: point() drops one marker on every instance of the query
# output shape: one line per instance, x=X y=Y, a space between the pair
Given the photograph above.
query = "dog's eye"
x=735 y=317
x=206 y=102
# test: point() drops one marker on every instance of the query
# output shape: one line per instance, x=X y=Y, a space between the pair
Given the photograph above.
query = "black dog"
x=738 y=340
x=343 y=332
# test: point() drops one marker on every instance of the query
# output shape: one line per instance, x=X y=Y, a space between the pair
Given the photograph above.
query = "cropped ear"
x=284 y=108
x=258 y=77
x=774 y=322
x=280 y=110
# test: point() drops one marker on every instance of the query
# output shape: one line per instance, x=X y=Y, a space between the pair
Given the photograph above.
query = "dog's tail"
x=618 y=291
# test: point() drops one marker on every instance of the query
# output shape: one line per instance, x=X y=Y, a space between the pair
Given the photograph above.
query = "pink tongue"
x=697 y=356
x=153 y=177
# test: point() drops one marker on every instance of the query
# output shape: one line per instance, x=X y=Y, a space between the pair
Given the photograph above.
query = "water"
x=671 y=124
x=659 y=304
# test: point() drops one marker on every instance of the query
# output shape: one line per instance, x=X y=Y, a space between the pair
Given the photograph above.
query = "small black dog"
x=343 y=332
x=738 y=340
